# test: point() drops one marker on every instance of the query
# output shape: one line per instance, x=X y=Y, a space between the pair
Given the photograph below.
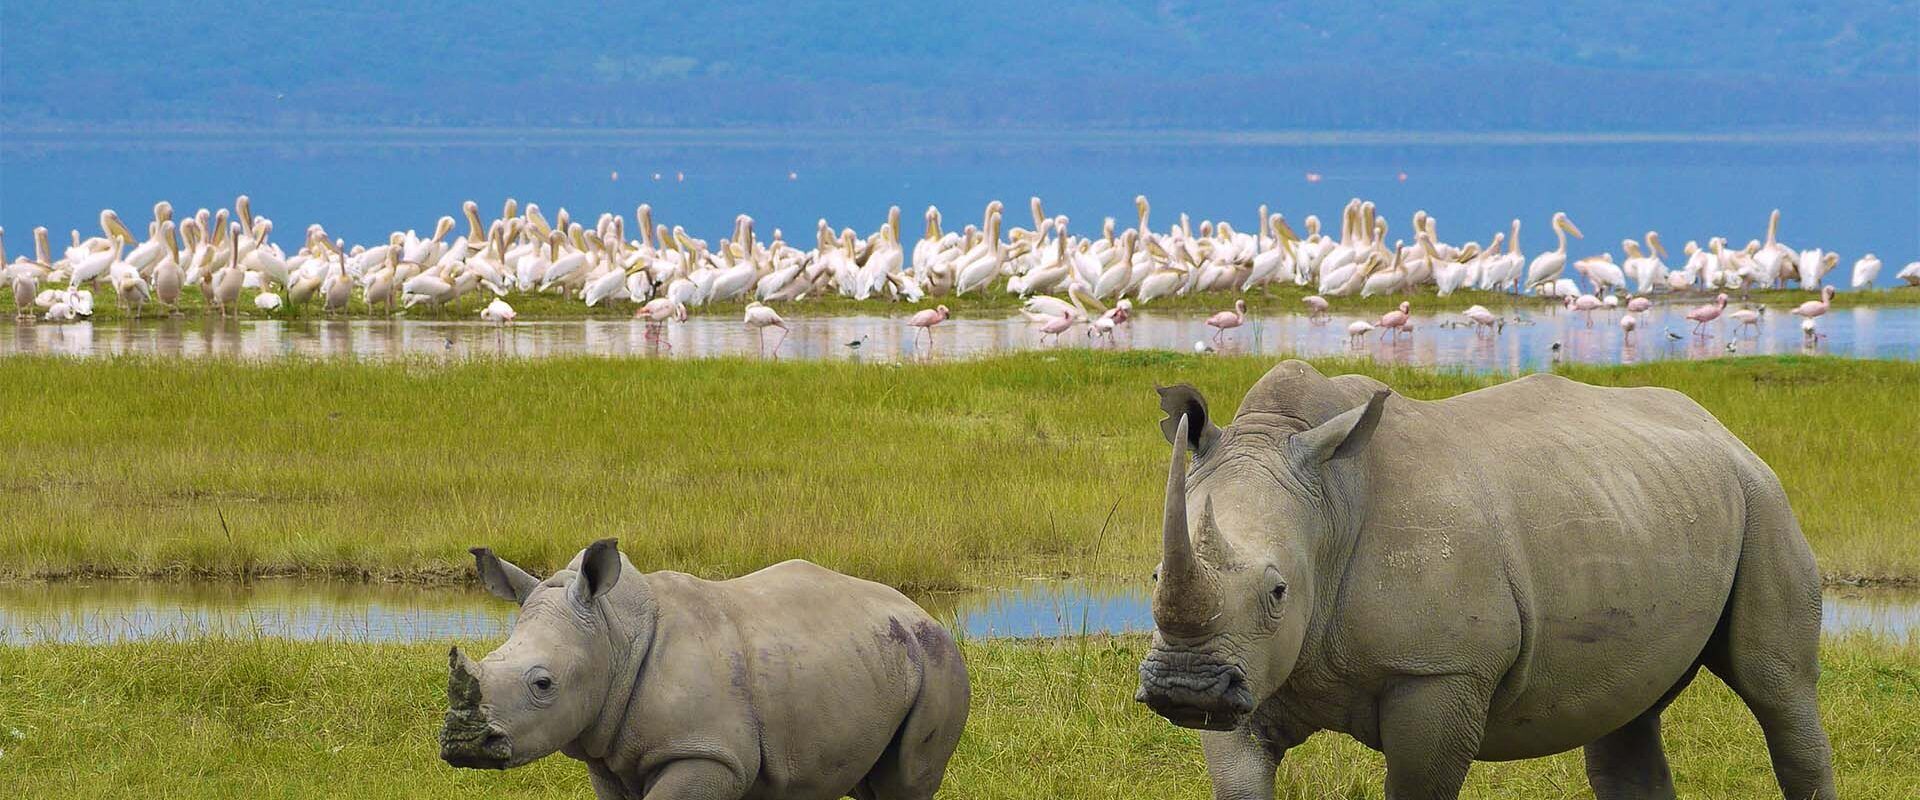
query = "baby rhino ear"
x=1182 y=400
x=501 y=577
x=599 y=571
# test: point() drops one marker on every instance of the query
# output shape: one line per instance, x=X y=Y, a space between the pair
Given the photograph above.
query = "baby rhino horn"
x=463 y=684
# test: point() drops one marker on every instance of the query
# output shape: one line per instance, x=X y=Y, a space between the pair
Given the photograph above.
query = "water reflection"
x=1526 y=343
x=109 y=611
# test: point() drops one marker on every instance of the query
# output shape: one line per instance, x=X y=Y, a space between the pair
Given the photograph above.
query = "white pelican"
x=1866 y=270
x=1776 y=259
x=1548 y=266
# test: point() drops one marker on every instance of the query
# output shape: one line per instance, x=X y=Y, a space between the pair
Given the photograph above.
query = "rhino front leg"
x=695 y=779
x=1430 y=729
x=606 y=785
x=1240 y=765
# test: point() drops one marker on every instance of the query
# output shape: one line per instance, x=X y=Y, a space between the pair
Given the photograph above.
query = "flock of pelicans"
x=664 y=271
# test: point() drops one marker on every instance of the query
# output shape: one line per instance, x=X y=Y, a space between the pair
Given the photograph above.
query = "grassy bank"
x=934 y=476
x=1050 y=719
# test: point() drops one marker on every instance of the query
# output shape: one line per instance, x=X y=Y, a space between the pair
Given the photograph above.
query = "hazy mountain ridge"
x=1686 y=65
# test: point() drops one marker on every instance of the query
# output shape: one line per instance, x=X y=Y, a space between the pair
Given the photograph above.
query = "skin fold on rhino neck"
x=630 y=649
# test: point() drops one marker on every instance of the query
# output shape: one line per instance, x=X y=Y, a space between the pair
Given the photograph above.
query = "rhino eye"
x=540 y=681
x=1280 y=591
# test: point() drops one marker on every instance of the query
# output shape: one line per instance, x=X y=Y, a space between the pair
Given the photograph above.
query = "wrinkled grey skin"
x=1510 y=573
x=794 y=682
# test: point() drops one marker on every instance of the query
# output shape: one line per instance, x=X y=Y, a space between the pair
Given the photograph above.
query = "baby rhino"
x=794 y=682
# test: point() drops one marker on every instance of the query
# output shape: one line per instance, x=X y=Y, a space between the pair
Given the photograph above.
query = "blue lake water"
x=1847 y=195
x=95 y=612
x=1527 y=342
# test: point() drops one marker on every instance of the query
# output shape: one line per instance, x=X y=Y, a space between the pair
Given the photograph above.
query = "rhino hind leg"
x=915 y=761
x=1631 y=763
x=1768 y=645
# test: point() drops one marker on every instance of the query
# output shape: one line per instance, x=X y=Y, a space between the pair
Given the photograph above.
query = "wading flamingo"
x=925 y=319
x=1225 y=320
x=1397 y=319
x=1815 y=308
x=1705 y=314
x=760 y=317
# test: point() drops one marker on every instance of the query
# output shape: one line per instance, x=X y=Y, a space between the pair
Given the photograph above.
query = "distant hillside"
x=1684 y=65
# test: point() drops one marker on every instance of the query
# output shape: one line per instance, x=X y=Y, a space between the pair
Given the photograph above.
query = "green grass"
x=925 y=477
x=250 y=718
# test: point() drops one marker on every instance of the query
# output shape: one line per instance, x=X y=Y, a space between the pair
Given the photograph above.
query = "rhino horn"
x=463 y=681
x=1176 y=548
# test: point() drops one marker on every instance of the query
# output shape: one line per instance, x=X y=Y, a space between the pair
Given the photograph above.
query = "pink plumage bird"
x=1584 y=304
x=1056 y=326
x=1705 y=314
x=1316 y=305
x=760 y=317
x=1397 y=319
x=925 y=319
x=1225 y=320
x=1815 y=308
x=1639 y=305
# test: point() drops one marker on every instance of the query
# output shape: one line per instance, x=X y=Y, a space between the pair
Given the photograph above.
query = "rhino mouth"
x=471 y=741
x=1194 y=691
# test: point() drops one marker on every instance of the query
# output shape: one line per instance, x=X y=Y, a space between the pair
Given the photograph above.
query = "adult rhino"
x=1506 y=574
x=794 y=682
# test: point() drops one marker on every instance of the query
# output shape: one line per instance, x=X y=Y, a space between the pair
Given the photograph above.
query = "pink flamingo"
x=1585 y=303
x=1705 y=314
x=925 y=319
x=1748 y=318
x=760 y=317
x=1056 y=326
x=1639 y=305
x=1482 y=319
x=1316 y=305
x=1815 y=308
x=1627 y=323
x=1224 y=320
x=1357 y=332
x=657 y=312
x=1397 y=319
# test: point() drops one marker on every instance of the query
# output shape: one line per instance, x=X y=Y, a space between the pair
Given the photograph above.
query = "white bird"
x=498 y=311
x=1548 y=265
x=1865 y=271
x=1910 y=273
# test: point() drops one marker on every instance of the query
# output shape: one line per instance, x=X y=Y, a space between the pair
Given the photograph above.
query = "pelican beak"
x=1573 y=229
x=1280 y=224
x=117 y=229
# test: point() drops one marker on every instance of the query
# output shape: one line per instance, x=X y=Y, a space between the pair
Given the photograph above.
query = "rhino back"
x=1574 y=543
x=815 y=668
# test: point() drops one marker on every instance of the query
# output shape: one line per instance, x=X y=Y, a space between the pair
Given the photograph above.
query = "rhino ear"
x=501 y=577
x=1182 y=400
x=1340 y=437
x=599 y=571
